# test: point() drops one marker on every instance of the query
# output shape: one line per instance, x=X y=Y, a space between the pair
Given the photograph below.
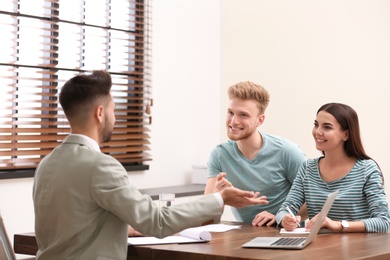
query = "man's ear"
x=99 y=113
x=260 y=120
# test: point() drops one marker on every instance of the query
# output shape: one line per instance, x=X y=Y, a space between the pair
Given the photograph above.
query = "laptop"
x=294 y=242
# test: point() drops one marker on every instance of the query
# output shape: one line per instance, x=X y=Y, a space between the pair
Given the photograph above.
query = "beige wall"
x=307 y=53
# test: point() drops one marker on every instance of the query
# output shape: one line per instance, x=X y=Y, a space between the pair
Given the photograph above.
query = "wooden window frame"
x=32 y=122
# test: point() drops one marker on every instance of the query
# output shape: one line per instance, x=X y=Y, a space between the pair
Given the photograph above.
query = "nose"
x=232 y=119
x=317 y=131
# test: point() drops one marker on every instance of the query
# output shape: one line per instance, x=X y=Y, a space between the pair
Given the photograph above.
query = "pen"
x=290 y=212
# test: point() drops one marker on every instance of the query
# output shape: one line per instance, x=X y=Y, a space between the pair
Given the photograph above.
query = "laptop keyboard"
x=291 y=241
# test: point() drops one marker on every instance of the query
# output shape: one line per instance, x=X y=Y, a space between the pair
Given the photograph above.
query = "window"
x=46 y=42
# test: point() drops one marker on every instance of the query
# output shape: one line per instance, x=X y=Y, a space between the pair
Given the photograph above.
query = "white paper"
x=301 y=231
x=158 y=241
x=189 y=235
x=196 y=234
x=202 y=230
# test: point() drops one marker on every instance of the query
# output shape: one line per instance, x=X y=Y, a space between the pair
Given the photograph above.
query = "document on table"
x=189 y=235
x=297 y=231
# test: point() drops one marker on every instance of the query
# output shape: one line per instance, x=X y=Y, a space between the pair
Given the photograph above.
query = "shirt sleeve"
x=112 y=191
x=295 y=198
x=213 y=164
x=294 y=159
x=376 y=199
x=218 y=196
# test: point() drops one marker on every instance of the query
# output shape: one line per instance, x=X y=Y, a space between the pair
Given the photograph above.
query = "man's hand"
x=222 y=182
x=264 y=218
x=238 y=198
x=131 y=232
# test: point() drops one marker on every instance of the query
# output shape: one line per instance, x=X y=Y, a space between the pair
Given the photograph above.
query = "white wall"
x=308 y=53
x=305 y=53
x=186 y=85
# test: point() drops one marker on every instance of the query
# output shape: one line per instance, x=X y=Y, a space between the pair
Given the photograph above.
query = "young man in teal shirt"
x=251 y=159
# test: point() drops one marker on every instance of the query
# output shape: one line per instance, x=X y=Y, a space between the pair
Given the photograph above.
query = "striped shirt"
x=361 y=195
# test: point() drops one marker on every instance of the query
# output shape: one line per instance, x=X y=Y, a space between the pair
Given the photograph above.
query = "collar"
x=90 y=141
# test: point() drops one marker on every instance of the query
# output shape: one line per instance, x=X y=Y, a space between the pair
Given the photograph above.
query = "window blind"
x=46 y=42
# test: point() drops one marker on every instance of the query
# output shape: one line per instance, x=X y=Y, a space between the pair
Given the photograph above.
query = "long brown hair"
x=348 y=120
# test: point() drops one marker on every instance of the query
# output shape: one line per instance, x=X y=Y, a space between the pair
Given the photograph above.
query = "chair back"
x=6 y=250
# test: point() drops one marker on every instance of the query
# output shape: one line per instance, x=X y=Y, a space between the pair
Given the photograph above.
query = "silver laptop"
x=294 y=242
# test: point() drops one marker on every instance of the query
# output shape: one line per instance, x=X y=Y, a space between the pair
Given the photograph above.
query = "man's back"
x=84 y=203
x=63 y=200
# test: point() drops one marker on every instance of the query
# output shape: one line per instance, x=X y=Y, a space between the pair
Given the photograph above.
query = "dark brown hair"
x=348 y=120
x=79 y=92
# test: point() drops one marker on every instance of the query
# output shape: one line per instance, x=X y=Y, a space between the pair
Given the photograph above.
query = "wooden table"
x=227 y=245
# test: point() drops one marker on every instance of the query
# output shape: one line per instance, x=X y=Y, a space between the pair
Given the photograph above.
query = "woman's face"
x=327 y=133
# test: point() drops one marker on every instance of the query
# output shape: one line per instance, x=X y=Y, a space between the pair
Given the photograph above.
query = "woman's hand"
x=290 y=222
x=328 y=223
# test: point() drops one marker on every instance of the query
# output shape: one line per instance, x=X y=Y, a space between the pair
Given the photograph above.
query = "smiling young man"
x=251 y=159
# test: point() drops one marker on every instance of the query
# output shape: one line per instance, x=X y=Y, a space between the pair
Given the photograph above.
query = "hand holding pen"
x=291 y=222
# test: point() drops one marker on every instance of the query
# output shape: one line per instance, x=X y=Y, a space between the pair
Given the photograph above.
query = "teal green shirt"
x=271 y=172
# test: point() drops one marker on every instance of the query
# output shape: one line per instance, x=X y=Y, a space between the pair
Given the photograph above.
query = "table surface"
x=227 y=245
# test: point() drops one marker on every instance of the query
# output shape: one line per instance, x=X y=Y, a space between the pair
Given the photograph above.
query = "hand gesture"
x=239 y=198
x=222 y=182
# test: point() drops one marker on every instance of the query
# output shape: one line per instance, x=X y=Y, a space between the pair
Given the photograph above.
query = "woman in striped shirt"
x=361 y=204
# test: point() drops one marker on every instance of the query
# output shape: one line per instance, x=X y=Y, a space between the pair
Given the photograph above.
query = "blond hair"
x=250 y=91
